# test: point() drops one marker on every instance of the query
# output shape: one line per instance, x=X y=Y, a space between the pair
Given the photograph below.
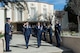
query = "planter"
x=72 y=42
x=1 y=46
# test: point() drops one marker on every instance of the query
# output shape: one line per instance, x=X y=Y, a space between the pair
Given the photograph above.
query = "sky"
x=58 y=4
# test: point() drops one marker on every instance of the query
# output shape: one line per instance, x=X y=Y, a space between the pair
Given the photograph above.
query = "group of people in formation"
x=39 y=30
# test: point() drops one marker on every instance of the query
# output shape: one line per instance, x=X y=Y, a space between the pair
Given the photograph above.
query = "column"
x=2 y=19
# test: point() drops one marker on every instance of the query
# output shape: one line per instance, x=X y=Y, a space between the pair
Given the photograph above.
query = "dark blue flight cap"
x=7 y=18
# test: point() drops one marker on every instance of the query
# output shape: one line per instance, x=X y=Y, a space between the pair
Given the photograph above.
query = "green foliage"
x=68 y=9
x=73 y=23
x=1 y=35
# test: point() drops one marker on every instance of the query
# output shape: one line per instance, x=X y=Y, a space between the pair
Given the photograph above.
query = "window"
x=45 y=12
x=19 y=14
x=33 y=11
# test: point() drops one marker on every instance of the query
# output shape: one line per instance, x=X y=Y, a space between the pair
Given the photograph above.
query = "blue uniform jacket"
x=57 y=28
x=50 y=30
x=7 y=31
x=44 y=28
x=38 y=30
x=27 y=31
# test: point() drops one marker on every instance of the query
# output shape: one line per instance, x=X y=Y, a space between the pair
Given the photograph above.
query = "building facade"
x=29 y=11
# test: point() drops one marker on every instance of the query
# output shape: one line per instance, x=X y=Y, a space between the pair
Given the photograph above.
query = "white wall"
x=2 y=19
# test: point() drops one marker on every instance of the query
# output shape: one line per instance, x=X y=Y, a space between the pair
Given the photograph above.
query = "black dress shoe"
x=50 y=42
x=44 y=40
x=58 y=46
x=26 y=47
x=38 y=46
x=8 y=50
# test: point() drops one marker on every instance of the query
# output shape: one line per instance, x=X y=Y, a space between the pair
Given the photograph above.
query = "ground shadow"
x=17 y=46
x=23 y=46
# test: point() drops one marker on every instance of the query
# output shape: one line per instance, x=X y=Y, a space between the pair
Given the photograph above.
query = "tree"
x=75 y=6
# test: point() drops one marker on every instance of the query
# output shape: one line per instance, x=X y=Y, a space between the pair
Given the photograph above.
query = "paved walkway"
x=18 y=46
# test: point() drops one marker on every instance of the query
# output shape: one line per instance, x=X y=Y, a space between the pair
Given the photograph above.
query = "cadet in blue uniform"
x=44 y=30
x=7 y=34
x=50 y=32
x=57 y=33
x=39 y=29
x=27 y=32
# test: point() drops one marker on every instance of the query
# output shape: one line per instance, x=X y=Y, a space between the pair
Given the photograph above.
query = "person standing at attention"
x=7 y=34
x=57 y=32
